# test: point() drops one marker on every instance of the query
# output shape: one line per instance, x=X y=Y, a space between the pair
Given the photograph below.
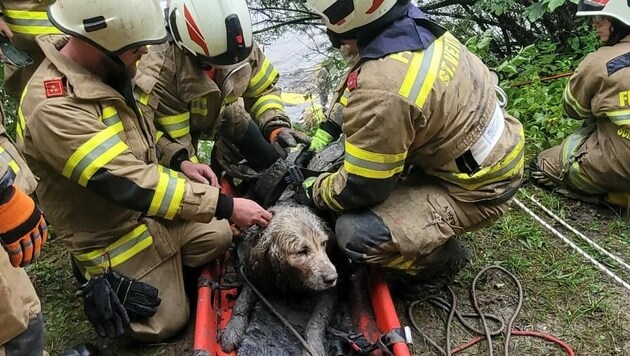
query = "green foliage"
x=535 y=91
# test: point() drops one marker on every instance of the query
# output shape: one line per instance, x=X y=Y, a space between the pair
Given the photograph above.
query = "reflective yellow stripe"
x=199 y=106
x=328 y=192
x=574 y=174
x=142 y=97
x=21 y=124
x=118 y=252
x=194 y=159
x=619 y=117
x=296 y=98
x=509 y=166
x=574 y=104
x=401 y=56
x=175 y=125
x=29 y=22
x=266 y=102
x=168 y=194
x=343 y=100
x=7 y=157
x=110 y=116
x=158 y=136
x=422 y=72
x=94 y=154
x=261 y=80
x=372 y=165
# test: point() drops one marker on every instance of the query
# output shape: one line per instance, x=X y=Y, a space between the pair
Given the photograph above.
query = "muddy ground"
x=564 y=295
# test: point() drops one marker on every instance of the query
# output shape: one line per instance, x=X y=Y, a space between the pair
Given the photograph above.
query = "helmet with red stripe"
x=217 y=32
x=113 y=26
x=617 y=9
x=343 y=16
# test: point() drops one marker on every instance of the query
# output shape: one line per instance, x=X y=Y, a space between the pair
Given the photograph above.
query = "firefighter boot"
x=437 y=270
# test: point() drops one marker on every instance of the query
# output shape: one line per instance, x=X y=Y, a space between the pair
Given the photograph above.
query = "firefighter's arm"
x=264 y=104
x=262 y=97
x=583 y=85
x=73 y=140
x=23 y=229
x=379 y=130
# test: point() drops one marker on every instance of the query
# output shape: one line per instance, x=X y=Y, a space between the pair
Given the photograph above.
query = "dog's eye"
x=324 y=243
x=304 y=251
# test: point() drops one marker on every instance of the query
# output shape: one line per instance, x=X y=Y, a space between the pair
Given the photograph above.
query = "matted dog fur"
x=287 y=258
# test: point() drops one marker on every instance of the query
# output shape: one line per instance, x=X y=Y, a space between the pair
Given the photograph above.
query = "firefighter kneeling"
x=429 y=153
x=130 y=220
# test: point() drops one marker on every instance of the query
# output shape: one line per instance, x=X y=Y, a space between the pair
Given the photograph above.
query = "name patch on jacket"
x=618 y=63
x=54 y=88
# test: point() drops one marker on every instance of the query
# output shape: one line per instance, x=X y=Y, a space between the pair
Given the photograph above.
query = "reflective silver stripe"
x=484 y=145
x=93 y=155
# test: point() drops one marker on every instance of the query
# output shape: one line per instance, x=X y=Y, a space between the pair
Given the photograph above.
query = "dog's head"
x=295 y=243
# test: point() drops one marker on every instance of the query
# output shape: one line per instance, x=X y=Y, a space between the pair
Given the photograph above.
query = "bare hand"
x=199 y=172
x=247 y=213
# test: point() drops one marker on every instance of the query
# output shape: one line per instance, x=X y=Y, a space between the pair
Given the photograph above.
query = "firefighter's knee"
x=359 y=233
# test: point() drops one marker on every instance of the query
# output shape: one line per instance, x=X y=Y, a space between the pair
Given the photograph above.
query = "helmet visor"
x=591 y=5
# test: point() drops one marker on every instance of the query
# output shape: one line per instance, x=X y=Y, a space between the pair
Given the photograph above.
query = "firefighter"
x=23 y=231
x=590 y=165
x=129 y=222
x=212 y=79
x=21 y=22
x=429 y=153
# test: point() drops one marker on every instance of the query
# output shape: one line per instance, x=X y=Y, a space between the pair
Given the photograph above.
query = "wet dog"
x=287 y=258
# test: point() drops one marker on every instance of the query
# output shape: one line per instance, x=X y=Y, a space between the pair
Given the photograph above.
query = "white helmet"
x=217 y=32
x=618 y=9
x=343 y=16
x=111 y=25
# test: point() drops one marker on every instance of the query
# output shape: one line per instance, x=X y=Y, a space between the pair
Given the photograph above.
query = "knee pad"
x=359 y=233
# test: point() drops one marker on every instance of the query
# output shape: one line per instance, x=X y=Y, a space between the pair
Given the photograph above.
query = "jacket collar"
x=84 y=84
x=411 y=32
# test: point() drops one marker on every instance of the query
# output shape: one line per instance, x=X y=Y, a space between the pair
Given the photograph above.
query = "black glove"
x=139 y=299
x=305 y=157
x=103 y=309
x=304 y=192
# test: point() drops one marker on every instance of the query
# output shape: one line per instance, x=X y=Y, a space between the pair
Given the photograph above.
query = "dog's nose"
x=330 y=278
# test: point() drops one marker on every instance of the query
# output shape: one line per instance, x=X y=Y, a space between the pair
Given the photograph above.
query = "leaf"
x=535 y=11
x=554 y=4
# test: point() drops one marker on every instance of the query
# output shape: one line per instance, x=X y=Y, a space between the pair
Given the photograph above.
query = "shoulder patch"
x=54 y=88
x=618 y=63
x=351 y=83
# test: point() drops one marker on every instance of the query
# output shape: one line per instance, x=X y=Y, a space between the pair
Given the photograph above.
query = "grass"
x=564 y=294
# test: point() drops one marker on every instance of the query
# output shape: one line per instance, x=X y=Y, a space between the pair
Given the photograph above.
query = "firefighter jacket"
x=188 y=101
x=599 y=92
x=26 y=19
x=18 y=300
x=434 y=110
x=101 y=185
